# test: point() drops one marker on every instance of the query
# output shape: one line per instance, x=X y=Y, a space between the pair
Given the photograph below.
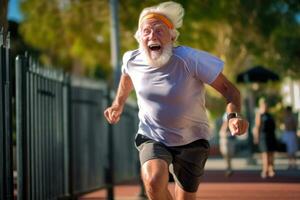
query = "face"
x=263 y=107
x=156 y=42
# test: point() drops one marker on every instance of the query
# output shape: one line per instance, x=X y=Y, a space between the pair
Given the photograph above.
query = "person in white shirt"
x=169 y=83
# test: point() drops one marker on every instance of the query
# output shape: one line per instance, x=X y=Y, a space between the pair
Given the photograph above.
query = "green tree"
x=75 y=34
x=72 y=34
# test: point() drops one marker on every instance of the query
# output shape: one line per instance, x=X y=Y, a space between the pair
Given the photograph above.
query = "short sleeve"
x=125 y=60
x=205 y=66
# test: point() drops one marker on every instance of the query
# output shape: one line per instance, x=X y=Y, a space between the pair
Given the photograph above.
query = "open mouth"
x=154 y=47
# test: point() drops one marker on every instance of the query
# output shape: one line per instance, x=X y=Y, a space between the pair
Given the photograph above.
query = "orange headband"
x=160 y=17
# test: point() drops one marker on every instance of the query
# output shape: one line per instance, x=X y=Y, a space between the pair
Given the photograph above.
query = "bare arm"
x=256 y=129
x=230 y=92
x=237 y=126
x=113 y=113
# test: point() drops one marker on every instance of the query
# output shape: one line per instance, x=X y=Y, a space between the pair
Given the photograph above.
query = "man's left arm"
x=237 y=124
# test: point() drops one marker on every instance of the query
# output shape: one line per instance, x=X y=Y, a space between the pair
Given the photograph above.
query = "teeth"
x=154 y=45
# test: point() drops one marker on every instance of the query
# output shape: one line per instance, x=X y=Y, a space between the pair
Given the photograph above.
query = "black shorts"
x=186 y=162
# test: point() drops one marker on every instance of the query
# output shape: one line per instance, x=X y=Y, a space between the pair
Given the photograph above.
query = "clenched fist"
x=238 y=126
x=113 y=113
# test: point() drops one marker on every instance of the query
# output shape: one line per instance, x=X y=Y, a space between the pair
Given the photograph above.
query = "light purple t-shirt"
x=171 y=99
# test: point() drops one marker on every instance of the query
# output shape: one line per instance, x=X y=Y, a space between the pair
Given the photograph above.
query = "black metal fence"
x=40 y=132
x=89 y=130
x=6 y=172
x=123 y=135
x=65 y=147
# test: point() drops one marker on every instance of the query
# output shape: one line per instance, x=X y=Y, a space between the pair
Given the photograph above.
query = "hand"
x=113 y=113
x=238 y=126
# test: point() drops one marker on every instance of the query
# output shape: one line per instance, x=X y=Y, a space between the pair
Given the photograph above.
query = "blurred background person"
x=264 y=136
x=227 y=145
x=289 y=136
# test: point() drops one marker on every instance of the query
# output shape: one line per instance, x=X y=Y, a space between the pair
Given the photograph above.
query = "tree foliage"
x=75 y=33
x=72 y=34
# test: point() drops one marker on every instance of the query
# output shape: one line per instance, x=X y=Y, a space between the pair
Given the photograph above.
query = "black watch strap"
x=232 y=115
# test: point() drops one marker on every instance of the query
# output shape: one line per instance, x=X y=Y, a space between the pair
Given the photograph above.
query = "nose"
x=152 y=36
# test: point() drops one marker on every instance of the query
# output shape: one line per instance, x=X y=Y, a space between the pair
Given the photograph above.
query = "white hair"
x=172 y=10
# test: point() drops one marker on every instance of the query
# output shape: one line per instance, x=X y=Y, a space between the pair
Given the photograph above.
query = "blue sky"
x=14 y=13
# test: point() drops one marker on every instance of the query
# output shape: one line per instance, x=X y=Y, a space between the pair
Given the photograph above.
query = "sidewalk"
x=244 y=184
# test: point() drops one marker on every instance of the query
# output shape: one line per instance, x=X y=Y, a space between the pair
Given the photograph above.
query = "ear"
x=173 y=37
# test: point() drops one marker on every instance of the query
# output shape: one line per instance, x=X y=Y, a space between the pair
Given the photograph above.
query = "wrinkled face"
x=156 y=41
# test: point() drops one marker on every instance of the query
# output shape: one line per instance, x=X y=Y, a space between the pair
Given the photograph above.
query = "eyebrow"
x=154 y=26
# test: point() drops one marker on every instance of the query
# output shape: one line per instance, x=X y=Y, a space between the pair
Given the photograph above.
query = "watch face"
x=232 y=115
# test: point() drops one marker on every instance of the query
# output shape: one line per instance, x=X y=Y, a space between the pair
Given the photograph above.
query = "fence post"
x=2 y=135
x=2 y=152
x=7 y=120
x=21 y=115
x=110 y=170
x=68 y=131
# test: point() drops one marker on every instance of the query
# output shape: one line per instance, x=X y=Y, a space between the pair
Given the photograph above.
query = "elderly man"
x=169 y=83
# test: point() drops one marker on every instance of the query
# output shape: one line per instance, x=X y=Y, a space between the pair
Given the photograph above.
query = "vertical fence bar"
x=28 y=135
x=56 y=148
x=33 y=140
x=8 y=122
x=68 y=135
x=43 y=128
x=55 y=131
x=110 y=170
x=46 y=136
x=36 y=130
x=64 y=129
x=6 y=173
x=21 y=115
x=51 y=162
x=6 y=165
x=31 y=101
x=38 y=135
x=2 y=135
x=59 y=151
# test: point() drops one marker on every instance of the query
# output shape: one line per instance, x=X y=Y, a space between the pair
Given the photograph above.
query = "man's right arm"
x=113 y=113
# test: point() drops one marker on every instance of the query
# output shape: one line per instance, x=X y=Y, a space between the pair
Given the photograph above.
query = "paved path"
x=244 y=184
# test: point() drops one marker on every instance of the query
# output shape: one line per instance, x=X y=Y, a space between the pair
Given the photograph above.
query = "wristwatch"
x=232 y=115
